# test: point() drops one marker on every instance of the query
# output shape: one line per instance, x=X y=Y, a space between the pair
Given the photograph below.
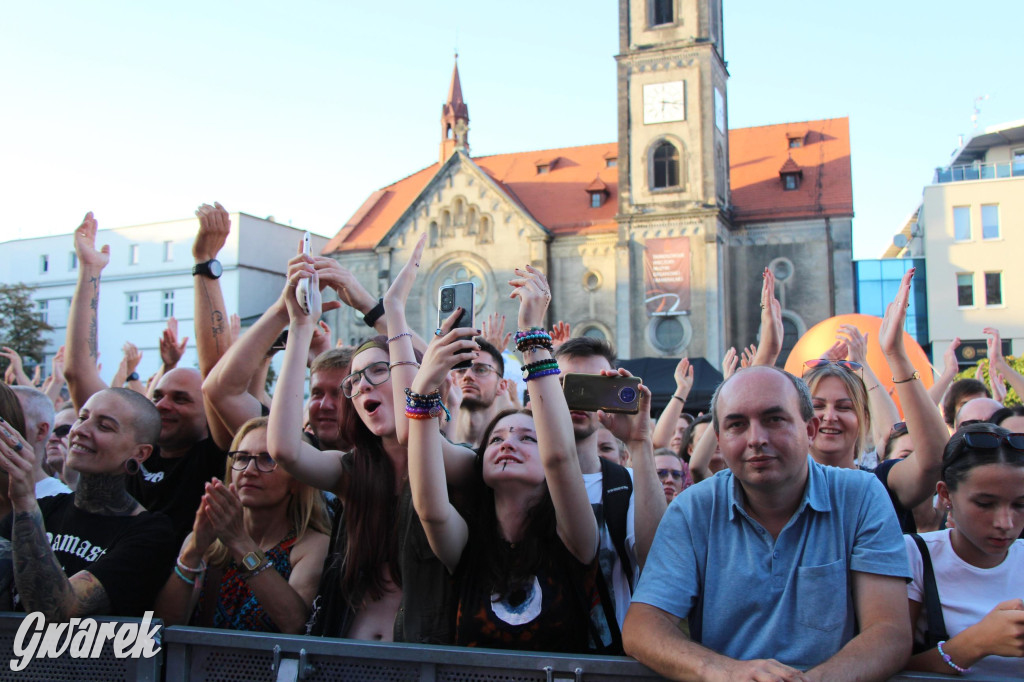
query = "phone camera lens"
x=627 y=394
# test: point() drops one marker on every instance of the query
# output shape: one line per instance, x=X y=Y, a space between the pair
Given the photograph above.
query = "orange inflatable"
x=821 y=336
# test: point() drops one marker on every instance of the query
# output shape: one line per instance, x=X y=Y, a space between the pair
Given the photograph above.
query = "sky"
x=141 y=111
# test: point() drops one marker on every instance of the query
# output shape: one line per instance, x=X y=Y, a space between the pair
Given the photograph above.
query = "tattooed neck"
x=104 y=494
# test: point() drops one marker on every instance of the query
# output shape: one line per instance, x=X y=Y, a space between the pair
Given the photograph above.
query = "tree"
x=20 y=326
x=1011 y=395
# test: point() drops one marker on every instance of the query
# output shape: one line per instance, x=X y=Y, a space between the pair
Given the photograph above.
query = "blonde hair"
x=854 y=388
x=307 y=509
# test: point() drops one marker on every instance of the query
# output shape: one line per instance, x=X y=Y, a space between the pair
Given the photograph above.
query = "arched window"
x=665 y=161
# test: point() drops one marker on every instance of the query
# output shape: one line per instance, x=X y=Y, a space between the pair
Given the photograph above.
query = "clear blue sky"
x=140 y=111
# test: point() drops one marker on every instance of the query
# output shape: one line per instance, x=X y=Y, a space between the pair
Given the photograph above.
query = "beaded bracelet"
x=182 y=566
x=188 y=581
x=429 y=406
x=949 y=661
x=530 y=339
x=542 y=368
x=398 y=336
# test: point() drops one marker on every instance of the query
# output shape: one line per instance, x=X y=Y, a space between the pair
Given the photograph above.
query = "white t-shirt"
x=608 y=556
x=967 y=593
x=49 y=486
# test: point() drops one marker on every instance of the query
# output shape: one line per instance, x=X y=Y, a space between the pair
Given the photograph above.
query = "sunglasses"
x=264 y=462
x=983 y=440
x=675 y=473
x=849 y=365
x=62 y=430
x=376 y=373
x=898 y=429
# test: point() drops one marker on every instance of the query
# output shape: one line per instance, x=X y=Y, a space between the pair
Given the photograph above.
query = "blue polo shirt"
x=750 y=596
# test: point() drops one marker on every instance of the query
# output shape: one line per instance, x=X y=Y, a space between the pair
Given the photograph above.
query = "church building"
x=657 y=241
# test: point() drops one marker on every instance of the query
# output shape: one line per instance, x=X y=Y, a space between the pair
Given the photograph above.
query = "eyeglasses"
x=240 y=461
x=675 y=473
x=376 y=373
x=62 y=430
x=477 y=369
x=845 y=364
x=985 y=440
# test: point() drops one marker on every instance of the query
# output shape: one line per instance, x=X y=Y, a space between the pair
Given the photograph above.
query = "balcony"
x=979 y=171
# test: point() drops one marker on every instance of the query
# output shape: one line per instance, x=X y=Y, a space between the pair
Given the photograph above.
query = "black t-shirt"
x=131 y=556
x=174 y=485
x=904 y=515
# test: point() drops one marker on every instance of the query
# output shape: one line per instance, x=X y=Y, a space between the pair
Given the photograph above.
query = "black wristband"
x=375 y=313
x=134 y=376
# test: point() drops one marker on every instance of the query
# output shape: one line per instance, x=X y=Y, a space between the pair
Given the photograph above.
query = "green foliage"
x=1011 y=395
x=20 y=326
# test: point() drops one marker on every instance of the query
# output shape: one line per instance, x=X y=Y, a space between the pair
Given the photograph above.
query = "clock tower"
x=673 y=167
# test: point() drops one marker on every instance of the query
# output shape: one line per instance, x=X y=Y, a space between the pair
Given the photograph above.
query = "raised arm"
x=881 y=407
x=212 y=325
x=666 y=426
x=913 y=479
x=57 y=381
x=445 y=528
x=42 y=584
x=16 y=367
x=997 y=361
x=284 y=431
x=769 y=344
x=82 y=341
x=574 y=516
x=703 y=451
x=950 y=367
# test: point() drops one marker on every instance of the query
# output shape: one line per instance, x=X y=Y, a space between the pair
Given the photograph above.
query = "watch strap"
x=374 y=314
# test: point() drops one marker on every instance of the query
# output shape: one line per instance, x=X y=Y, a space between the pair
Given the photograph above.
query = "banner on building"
x=667 y=276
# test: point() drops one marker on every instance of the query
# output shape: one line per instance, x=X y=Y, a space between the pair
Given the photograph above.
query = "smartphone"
x=452 y=296
x=593 y=392
x=280 y=343
x=302 y=290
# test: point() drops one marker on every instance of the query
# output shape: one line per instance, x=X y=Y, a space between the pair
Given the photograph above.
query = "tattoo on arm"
x=90 y=597
x=94 y=304
x=6 y=566
x=40 y=579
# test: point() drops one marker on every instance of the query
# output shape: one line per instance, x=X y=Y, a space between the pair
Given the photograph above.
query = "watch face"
x=251 y=561
x=664 y=102
x=216 y=269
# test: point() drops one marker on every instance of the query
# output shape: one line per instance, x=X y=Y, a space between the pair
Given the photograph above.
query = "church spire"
x=454 y=118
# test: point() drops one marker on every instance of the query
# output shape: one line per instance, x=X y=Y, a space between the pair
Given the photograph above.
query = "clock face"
x=664 y=102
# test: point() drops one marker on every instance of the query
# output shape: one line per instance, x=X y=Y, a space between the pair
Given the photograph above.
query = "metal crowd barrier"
x=189 y=654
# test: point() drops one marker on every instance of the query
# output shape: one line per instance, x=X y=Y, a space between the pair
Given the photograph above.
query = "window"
x=795 y=142
x=43 y=311
x=133 y=307
x=661 y=12
x=990 y=221
x=596 y=199
x=168 y=251
x=965 y=289
x=962 y=223
x=72 y=261
x=993 y=288
x=168 y=304
x=790 y=181
x=543 y=168
x=666 y=166
x=133 y=254
x=44 y=264
x=611 y=163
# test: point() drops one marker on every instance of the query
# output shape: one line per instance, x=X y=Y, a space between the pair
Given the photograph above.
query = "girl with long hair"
x=257 y=546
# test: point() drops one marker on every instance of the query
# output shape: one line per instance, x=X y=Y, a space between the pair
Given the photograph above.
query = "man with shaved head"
x=39 y=417
x=780 y=564
x=977 y=410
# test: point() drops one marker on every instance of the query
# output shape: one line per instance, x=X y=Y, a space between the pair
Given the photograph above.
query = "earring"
x=131 y=466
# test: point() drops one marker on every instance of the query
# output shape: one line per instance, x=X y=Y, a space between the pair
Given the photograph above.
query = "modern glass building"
x=877 y=282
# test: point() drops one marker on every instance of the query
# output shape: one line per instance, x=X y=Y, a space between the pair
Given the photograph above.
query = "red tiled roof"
x=558 y=199
x=758 y=155
x=790 y=167
x=597 y=186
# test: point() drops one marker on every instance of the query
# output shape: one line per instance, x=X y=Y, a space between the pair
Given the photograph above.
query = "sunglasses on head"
x=849 y=365
x=985 y=440
x=62 y=430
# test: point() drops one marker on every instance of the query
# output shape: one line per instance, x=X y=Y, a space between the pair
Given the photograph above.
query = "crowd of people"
x=801 y=529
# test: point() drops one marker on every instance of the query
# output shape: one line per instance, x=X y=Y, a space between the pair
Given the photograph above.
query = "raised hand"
x=995 y=347
x=398 y=293
x=443 y=353
x=494 y=331
x=748 y=353
x=950 y=365
x=770 y=344
x=17 y=459
x=531 y=287
x=57 y=366
x=16 y=369
x=683 y=375
x=132 y=357
x=224 y=510
x=349 y=290
x=85 y=245
x=729 y=363
x=995 y=381
x=235 y=324
x=560 y=333
x=321 y=341
x=171 y=349
x=856 y=343
x=890 y=334
x=629 y=427
x=836 y=352
x=214 y=228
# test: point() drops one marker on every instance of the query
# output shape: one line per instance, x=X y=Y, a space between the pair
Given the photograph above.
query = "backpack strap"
x=936 y=631
x=616 y=489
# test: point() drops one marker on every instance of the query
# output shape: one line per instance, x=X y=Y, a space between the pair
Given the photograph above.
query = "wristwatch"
x=134 y=376
x=252 y=561
x=211 y=268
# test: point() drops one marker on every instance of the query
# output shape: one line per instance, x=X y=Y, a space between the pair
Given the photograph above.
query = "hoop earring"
x=131 y=466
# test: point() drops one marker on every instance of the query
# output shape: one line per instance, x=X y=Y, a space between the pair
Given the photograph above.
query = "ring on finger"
x=18 y=447
x=438 y=332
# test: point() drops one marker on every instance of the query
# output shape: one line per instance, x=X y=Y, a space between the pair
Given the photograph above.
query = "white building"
x=149 y=279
